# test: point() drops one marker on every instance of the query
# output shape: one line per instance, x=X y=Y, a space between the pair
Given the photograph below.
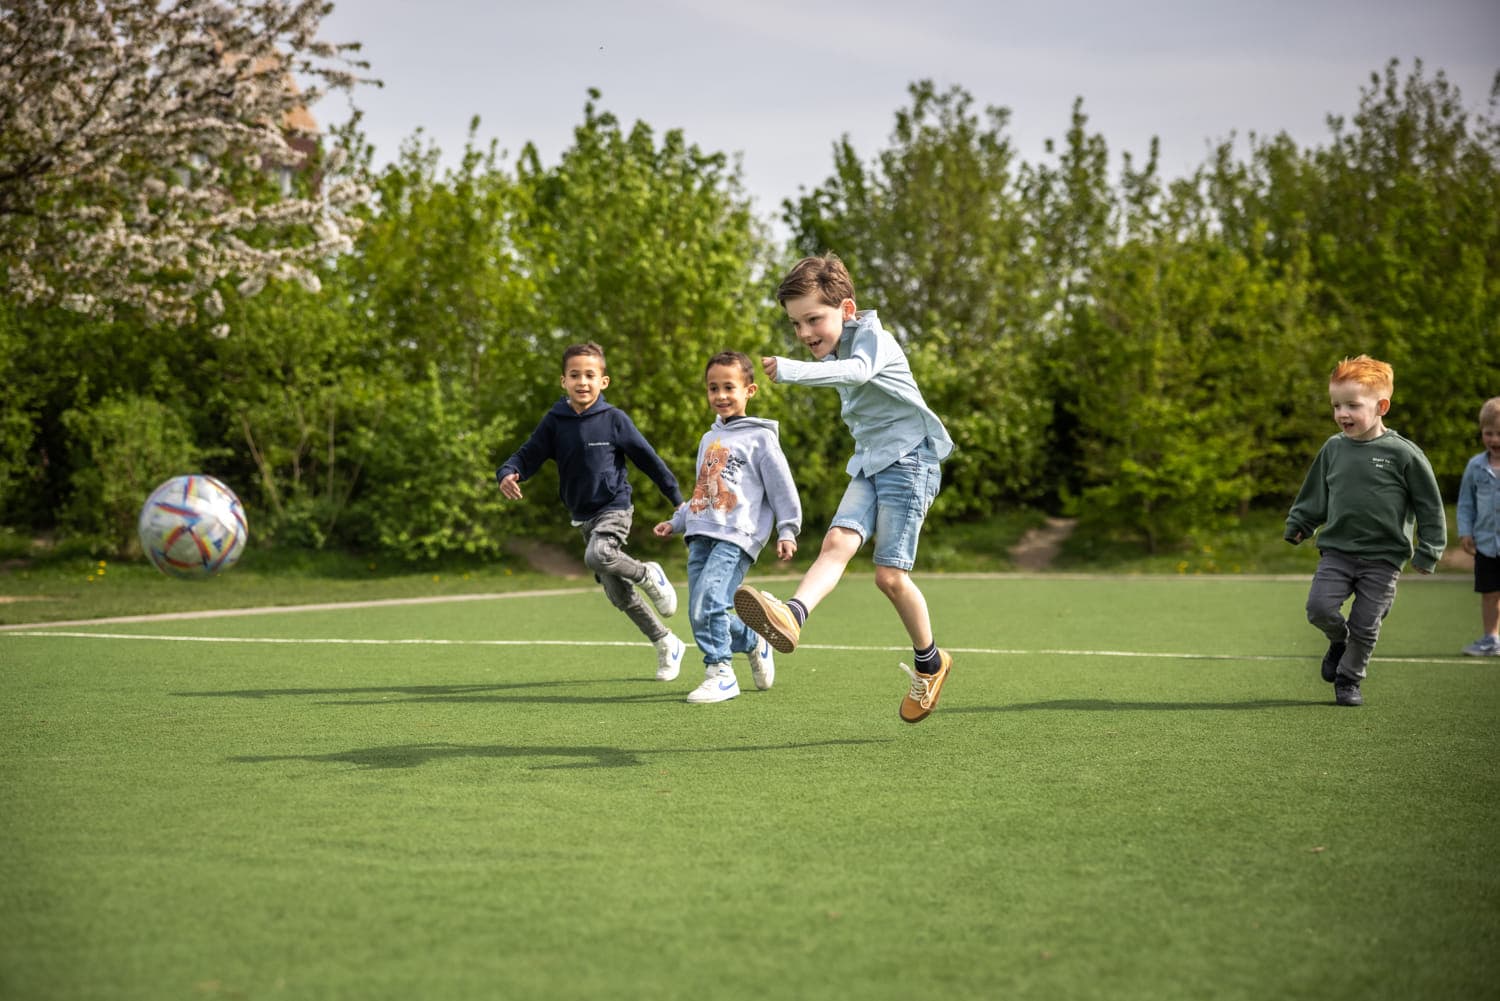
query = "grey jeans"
x=1373 y=584
x=605 y=537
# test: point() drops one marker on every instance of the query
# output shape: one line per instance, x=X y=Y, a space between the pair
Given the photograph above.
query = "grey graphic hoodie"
x=745 y=488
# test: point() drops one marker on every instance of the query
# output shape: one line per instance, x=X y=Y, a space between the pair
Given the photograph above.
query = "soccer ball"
x=193 y=526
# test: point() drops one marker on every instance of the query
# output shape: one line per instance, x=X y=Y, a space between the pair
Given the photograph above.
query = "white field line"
x=332 y=606
x=979 y=651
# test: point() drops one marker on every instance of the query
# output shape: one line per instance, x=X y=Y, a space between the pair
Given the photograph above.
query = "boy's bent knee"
x=601 y=554
x=891 y=580
x=842 y=541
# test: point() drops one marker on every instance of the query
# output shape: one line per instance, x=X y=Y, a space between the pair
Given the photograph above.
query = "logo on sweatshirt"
x=1382 y=462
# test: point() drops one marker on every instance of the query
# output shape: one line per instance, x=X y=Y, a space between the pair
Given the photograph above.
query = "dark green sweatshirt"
x=1367 y=495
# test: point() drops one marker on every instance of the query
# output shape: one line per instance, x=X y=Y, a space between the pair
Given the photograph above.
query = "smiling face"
x=583 y=379
x=1490 y=435
x=729 y=390
x=1357 y=410
x=817 y=324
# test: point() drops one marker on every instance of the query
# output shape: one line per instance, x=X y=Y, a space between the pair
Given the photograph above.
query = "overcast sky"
x=778 y=81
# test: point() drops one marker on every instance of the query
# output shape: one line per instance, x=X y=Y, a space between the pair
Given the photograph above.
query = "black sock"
x=928 y=660
x=798 y=610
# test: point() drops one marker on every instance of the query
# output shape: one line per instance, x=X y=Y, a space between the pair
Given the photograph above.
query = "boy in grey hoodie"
x=744 y=493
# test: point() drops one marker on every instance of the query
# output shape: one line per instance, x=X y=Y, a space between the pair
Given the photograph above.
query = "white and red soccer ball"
x=193 y=526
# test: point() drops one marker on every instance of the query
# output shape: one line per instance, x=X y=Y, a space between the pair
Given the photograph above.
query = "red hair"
x=1376 y=376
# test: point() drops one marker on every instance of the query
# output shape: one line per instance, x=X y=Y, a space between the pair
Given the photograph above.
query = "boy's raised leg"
x=767 y=615
x=770 y=617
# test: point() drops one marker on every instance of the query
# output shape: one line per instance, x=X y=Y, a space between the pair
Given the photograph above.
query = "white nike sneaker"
x=719 y=685
x=659 y=590
x=669 y=652
x=763 y=663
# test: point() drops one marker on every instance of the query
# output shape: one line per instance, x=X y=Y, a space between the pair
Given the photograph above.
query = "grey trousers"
x=1373 y=584
x=605 y=537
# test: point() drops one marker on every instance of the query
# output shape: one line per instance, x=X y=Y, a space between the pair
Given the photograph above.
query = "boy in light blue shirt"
x=895 y=470
x=1479 y=527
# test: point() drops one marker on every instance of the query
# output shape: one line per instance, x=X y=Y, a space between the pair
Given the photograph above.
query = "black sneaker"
x=1346 y=693
x=1331 y=661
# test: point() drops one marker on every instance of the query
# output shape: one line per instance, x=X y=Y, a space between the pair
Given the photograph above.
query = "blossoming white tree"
x=141 y=142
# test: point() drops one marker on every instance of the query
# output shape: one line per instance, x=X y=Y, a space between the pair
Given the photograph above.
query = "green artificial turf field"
x=1133 y=788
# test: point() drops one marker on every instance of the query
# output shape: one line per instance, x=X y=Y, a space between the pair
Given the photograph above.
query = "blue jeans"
x=892 y=504
x=715 y=568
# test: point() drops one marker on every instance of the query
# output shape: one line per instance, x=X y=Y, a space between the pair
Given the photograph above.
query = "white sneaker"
x=763 y=663
x=1485 y=646
x=669 y=651
x=659 y=590
x=719 y=685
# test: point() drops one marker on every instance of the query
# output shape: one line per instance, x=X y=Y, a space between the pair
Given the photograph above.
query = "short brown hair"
x=586 y=348
x=730 y=359
x=825 y=277
x=1375 y=376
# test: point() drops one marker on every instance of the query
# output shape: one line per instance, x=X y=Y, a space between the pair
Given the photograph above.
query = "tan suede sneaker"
x=918 y=703
x=768 y=616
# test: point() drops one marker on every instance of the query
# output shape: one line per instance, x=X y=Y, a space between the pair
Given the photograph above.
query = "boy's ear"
x=846 y=309
x=1382 y=407
x=751 y=389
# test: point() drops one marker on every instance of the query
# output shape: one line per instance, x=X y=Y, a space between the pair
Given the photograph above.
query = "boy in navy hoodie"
x=590 y=441
x=744 y=495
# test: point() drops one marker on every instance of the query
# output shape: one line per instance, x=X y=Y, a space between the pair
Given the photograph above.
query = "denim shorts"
x=892 y=504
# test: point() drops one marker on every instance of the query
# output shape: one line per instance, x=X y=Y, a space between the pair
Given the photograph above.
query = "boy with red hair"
x=1367 y=487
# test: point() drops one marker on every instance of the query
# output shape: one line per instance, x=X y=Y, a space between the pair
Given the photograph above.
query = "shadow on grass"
x=381 y=695
x=1115 y=705
x=416 y=755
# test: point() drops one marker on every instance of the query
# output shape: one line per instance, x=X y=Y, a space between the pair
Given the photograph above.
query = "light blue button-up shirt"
x=882 y=405
x=1479 y=505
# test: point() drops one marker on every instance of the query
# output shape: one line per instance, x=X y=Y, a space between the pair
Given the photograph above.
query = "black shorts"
x=1486 y=573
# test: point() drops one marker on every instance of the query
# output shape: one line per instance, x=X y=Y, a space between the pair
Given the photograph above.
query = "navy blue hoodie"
x=590 y=451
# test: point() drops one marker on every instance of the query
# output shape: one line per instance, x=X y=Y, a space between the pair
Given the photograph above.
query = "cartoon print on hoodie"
x=712 y=491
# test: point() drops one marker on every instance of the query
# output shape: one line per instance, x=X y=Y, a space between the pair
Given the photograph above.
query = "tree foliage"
x=1149 y=355
x=143 y=146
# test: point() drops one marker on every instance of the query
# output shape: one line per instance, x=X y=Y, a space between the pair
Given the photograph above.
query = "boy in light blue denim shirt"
x=895 y=473
x=1479 y=527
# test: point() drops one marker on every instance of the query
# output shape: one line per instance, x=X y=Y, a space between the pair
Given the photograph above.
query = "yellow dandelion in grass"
x=507 y=571
x=435 y=578
x=1182 y=566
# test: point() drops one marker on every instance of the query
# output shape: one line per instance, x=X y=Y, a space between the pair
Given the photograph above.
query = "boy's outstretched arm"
x=869 y=352
x=525 y=461
x=640 y=452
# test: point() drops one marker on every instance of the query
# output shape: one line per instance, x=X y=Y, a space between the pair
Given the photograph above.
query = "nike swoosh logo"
x=725 y=686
